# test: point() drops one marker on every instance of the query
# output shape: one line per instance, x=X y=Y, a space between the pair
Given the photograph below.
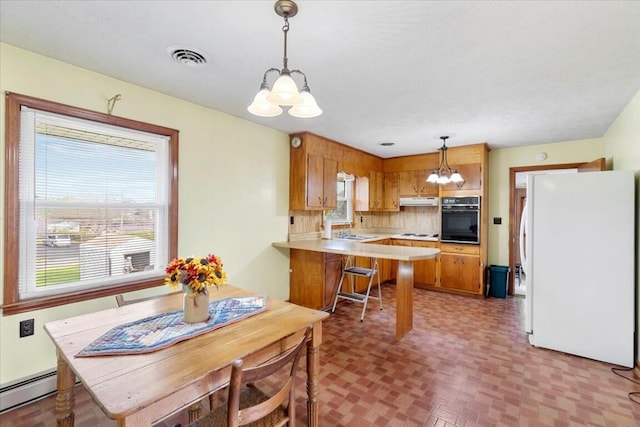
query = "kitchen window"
x=343 y=214
x=91 y=204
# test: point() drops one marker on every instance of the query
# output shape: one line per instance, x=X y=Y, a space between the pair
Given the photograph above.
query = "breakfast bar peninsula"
x=403 y=254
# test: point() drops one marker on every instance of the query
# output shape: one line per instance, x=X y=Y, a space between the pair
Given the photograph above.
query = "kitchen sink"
x=356 y=237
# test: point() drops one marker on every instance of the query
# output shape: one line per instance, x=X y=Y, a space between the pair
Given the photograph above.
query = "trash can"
x=498 y=280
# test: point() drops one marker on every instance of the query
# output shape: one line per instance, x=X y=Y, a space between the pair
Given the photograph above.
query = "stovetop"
x=433 y=237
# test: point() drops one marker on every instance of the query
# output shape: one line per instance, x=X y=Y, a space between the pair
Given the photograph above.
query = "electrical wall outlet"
x=26 y=327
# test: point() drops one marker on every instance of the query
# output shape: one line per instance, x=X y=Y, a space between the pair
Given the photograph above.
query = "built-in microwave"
x=460 y=220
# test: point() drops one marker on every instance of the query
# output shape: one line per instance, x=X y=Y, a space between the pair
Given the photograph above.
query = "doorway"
x=517 y=198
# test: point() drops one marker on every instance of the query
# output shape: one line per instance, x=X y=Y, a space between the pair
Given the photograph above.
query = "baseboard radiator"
x=27 y=390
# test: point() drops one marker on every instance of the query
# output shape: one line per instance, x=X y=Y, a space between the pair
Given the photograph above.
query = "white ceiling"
x=509 y=73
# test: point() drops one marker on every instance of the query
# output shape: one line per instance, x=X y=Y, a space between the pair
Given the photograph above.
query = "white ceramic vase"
x=196 y=306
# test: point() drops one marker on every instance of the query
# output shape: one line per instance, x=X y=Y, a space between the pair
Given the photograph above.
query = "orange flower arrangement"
x=197 y=274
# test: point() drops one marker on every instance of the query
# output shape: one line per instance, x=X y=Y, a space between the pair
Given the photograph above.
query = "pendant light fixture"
x=269 y=101
x=444 y=174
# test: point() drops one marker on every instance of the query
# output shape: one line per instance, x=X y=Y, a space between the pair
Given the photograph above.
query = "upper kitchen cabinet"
x=472 y=175
x=412 y=174
x=314 y=165
x=472 y=161
x=321 y=182
x=376 y=191
x=391 y=199
x=383 y=191
x=414 y=184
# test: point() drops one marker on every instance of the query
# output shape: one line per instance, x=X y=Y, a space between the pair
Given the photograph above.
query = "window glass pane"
x=99 y=206
x=344 y=209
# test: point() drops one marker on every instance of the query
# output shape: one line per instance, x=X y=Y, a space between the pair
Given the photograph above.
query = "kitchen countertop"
x=405 y=255
x=361 y=248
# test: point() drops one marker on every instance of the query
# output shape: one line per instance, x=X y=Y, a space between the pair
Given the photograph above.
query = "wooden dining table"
x=142 y=389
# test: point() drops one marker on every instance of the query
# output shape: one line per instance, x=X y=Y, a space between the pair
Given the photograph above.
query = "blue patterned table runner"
x=163 y=330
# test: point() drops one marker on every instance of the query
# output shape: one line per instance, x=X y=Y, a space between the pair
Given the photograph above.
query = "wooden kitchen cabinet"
x=390 y=193
x=461 y=269
x=414 y=184
x=321 y=183
x=376 y=191
x=472 y=175
x=384 y=265
x=382 y=192
x=425 y=272
x=314 y=278
x=313 y=175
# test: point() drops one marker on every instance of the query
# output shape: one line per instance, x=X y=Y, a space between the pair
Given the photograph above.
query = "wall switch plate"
x=497 y=220
x=26 y=328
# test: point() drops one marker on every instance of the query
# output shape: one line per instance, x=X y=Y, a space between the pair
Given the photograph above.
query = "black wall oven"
x=460 y=220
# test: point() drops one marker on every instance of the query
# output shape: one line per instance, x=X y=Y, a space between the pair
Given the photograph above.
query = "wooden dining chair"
x=248 y=405
x=121 y=301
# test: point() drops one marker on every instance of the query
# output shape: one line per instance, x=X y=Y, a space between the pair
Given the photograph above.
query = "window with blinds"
x=93 y=202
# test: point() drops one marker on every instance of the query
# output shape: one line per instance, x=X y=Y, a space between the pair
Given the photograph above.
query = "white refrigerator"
x=579 y=264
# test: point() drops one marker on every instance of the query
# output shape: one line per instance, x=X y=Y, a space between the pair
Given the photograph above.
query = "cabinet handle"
x=415 y=188
x=320 y=201
x=324 y=202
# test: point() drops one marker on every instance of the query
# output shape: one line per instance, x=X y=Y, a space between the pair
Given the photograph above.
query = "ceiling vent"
x=186 y=55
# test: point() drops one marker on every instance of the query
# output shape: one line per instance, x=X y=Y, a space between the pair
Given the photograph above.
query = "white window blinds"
x=93 y=204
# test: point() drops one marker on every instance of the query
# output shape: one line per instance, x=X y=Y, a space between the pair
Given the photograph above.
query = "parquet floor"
x=467 y=362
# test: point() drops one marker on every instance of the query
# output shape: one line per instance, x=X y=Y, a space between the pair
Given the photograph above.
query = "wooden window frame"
x=11 y=300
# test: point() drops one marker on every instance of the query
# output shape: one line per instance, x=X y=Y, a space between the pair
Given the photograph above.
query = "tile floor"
x=465 y=363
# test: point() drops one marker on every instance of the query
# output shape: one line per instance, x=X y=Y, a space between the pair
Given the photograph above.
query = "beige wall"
x=230 y=170
x=501 y=160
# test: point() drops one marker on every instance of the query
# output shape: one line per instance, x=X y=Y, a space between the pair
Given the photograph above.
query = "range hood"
x=418 y=201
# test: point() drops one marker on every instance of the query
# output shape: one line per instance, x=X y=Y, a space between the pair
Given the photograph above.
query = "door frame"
x=514 y=221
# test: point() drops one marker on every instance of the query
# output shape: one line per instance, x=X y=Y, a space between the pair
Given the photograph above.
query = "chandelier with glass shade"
x=269 y=101
x=444 y=174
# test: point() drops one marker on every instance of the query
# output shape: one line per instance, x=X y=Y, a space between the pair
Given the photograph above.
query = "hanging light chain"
x=285 y=30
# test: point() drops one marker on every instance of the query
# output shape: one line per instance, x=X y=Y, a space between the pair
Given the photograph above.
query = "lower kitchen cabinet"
x=384 y=265
x=314 y=278
x=460 y=268
x=425 y=273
